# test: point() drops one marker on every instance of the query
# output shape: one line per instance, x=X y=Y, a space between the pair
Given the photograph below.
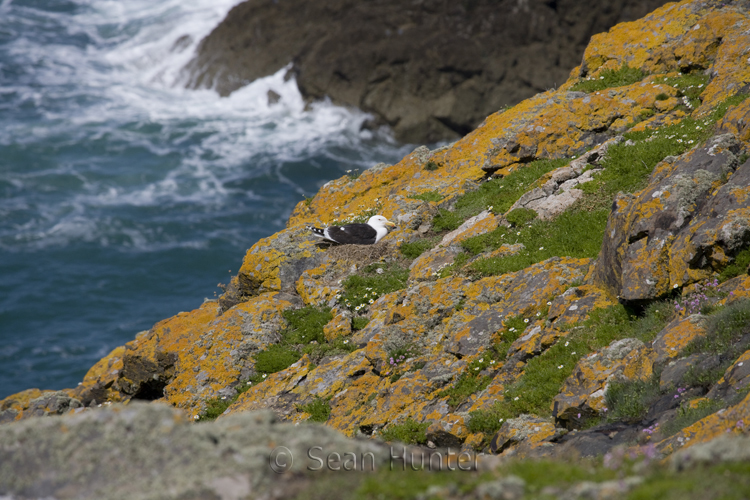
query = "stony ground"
x=568 y=280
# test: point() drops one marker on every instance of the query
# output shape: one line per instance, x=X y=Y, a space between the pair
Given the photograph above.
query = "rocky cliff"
x=431 y=69
x=569 y=279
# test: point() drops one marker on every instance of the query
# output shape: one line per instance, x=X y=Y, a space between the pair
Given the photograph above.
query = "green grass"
x=303 y=335
x=428 y=196
x=431 y=165
x=576 y=233
x=544 y=375
x=579 y=231
x=690 y=86
x=408 y=432
x=724 y=330
x=521 y=216
x=737 y=267
x=609 y=78
x=498 y=193
x=414 y=249
x=319 y=409
x=687 y=416
x=359 y=322
x=630 y=400
x=368 y=284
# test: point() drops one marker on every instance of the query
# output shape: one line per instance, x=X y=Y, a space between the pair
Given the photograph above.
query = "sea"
x=124 y=197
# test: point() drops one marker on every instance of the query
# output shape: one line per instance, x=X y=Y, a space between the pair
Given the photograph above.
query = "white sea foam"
x=116 y=131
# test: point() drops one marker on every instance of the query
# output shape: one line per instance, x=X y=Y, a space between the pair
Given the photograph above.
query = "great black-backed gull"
x=356 y=234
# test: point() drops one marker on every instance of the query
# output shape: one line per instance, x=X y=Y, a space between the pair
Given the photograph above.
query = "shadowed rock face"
x=431 y=69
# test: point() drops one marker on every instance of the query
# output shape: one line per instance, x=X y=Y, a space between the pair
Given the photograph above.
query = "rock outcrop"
x=642 y=342
x=431 y=70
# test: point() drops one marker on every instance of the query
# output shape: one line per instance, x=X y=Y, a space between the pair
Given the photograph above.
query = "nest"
x=363 y=255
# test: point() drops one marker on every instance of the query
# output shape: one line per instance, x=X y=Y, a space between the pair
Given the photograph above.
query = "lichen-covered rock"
x=687 y=36
x=583 y=393
x=687 y=224
x=735 y=380
x=562 y=124
x=558 y=188
x=191 y=357
x=275 y=263
x=676 y=336
x=33 y=402
x=733 y=420
x=575 y=304
x=520 y=436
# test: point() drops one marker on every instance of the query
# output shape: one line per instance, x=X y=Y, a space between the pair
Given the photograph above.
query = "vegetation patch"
x=544 y=375
x=359 y=323
x=725 y=329
x=498 y=194
x=414 y=249
x=431 y=165
x=738 y=266
x=630 y=400
x=609 y=78
x=408 y=432
x=319 y=409
x=579 y=231
x=374 y=281
x=576 y=233
x=303 y=335
x=428 y=196
x=521 y=216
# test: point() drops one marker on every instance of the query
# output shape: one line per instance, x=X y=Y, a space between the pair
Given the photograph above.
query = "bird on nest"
x=356 y=234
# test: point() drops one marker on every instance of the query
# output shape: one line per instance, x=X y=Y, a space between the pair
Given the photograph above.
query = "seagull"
x=356 y=234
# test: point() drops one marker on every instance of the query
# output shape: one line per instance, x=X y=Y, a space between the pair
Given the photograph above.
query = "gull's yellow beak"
x=390 y=224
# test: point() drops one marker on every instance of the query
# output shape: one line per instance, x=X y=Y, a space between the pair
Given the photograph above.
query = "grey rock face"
x=431 y=69
x=151 y=451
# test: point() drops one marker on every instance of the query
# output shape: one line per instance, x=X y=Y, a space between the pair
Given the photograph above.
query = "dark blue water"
x=125 y=199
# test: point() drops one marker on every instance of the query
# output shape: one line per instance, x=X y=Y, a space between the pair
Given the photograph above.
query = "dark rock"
x=431 y=69
x=597 y=440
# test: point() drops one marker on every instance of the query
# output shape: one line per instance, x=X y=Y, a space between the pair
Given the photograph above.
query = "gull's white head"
x=381 y=225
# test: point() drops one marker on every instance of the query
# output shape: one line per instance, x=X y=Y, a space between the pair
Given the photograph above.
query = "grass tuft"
x=408 y=432
x=416 y=248
x=609 y=78
x=428 y=196
x=319 y=409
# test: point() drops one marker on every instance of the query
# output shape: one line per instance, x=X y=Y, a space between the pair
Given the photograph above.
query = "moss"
x=369 y=284
x=414 y=249
x=408 y=432
x=609 y=78
x=498 y=193
x=662 y=97
x=428 y=196
x=737 y=267
x=319 y=409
